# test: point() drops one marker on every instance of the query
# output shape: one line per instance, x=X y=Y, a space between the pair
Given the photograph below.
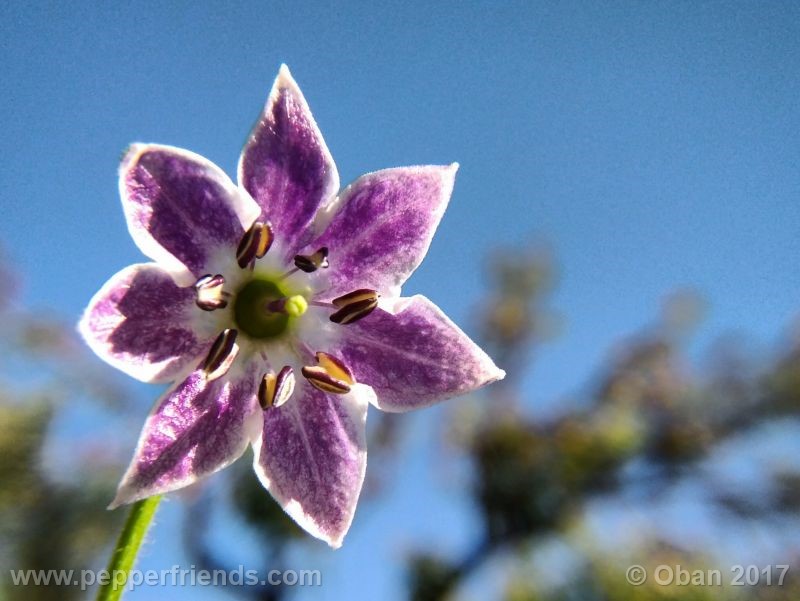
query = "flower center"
x=263 y=309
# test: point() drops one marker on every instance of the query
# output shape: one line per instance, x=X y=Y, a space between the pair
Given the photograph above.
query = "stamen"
x=275 y=390
x=355 y=296
x=314 y=303
x=310 y=263
x=210 y=293
x=292 y=271
x=322 y=380
x=221 y=356
x=294 y=306
x=335 y=367
x=354 y=305
x=255 y=243
x=331 y=375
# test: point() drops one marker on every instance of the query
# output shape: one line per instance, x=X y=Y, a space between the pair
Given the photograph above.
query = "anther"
x=210 y=293
x=275 y=390
x=310 y=263
x=354 y=306
x=335 y=367
x=221 y=356
x=355 y=296
x=331 y=375
x=255 y=243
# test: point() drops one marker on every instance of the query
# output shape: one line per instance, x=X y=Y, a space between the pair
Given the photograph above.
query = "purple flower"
x=274 y=308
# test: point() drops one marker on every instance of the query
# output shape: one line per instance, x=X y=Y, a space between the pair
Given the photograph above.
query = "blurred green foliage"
x=648 y=424
x=650 y=421
x=46 y=522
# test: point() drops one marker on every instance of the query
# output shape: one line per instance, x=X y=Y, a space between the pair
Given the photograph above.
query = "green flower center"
x=263 y=309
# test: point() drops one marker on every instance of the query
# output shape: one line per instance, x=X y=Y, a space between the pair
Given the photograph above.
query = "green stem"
x=127 y=548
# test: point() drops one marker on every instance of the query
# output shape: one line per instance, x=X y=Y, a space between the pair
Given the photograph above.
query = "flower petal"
x=197 y=428
x=182 y=210
x=412 y=355
x=286 y=165
x=382 y=226
x=141 y=323
x=312 y=456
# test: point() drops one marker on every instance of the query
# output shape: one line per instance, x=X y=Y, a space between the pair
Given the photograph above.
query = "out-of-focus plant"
x=648 y=425
x=652 y=421
x=46 y=522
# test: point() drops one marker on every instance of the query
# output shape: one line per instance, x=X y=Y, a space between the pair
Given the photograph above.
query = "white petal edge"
x=285 y=81
x=128 y=494
x=447 y=175
x=363 y=396
x=245 y=208
x=149 y=375
x=493 y=373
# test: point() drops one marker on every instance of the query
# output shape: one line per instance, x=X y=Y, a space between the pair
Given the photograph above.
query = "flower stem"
x=127 y=548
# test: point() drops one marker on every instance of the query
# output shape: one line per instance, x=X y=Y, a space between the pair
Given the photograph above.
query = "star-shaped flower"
x=274 y=308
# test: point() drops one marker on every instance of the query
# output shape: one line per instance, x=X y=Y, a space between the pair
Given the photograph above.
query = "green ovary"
x=251 y=312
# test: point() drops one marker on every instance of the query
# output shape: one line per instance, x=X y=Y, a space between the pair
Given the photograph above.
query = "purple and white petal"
x=286 y=166
x=142 y=323
x=312 y=456
x=197 y=428
x=381 y=227
x=412 y=355
x=182 y=210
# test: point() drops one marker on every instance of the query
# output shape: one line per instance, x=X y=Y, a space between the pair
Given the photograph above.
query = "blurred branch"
x=648 y=425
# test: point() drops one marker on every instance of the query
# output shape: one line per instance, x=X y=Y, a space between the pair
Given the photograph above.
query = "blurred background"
x=622 y=238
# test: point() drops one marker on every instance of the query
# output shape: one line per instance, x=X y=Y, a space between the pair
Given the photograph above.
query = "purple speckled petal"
x=286 y=166
x=382 y=227
x=312 y=457
x=412 y=355
x=182 y=210
x=197 y=428
x=141 y=323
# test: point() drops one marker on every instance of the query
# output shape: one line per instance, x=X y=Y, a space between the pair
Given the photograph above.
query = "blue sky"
x=654 y=145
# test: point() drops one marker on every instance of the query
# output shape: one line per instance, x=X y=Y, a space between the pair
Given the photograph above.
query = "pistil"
x=294 y=306
x=264 y=308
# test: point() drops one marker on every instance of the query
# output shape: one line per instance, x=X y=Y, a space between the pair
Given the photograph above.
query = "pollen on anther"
x=362 y=294
x=319 y=378
x=210 y=292
x=354 y=311
x=221 y=355
x=331 y=375
x=335 y=368
x=275 y=389
x=255 y=243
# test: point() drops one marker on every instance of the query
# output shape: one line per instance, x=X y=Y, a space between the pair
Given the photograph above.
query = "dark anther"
x=354 y=306
x=310 y=263
x=255 y=243
x=221 y=355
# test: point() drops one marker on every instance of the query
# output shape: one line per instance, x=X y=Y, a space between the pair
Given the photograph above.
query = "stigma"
x=293 y=306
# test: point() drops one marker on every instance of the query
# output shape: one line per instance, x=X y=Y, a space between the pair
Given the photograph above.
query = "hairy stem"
x=127 y=548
